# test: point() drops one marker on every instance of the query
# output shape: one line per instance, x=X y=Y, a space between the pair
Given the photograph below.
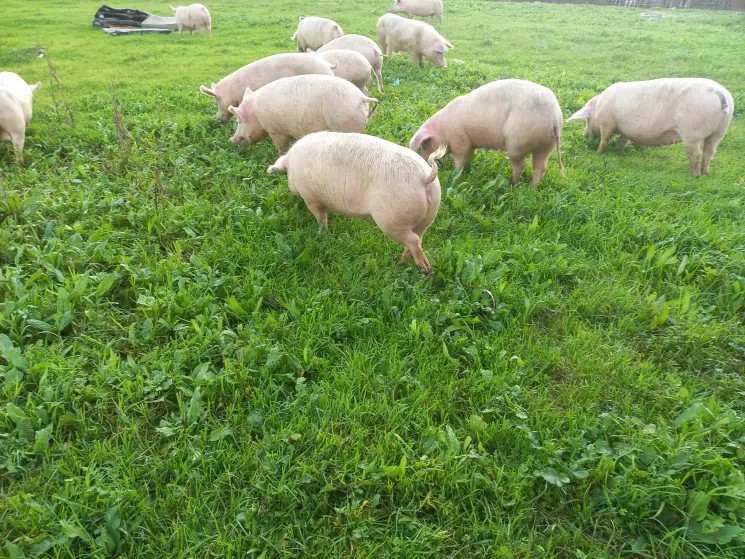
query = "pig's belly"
x=646 y=138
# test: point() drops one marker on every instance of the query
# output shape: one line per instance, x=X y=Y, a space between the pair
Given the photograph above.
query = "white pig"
x=516 y=116
x=231 y=89
x=419 y=39
x=350 y=65
x=16 y=99
x=365 y=47
x=291 y=108
x=193 y=18
x=694 y=111
x=421 y=8
x=368 y=177
x=314 y=32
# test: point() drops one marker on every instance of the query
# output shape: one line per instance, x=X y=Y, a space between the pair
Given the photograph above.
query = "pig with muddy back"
x=516 y=116
x=367 y=177
x=291 y=108
x=695 y=111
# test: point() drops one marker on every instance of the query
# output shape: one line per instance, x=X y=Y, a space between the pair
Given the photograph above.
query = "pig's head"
x=587 y=113
x=427 y=140
x=222 y=103
x=436 y=51
x=397 y=7
x=249 y=129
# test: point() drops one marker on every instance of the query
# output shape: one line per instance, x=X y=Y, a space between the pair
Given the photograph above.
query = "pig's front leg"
x=282 y=143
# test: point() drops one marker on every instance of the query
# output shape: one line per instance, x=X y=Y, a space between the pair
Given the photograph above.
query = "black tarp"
x=119 y=17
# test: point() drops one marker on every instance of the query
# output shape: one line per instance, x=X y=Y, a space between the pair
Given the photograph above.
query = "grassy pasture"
x=206 y=374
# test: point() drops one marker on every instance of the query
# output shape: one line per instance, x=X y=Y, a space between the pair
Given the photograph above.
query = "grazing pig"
x=419 y=39
x=421 y=8
x=314 y=32
x=516 y=116
x=350 y=65
x=193 y=18
x=694 y=111
x=368 y=177
x=16 y=99
x=291 y=108
x=231 y=89
x=365 y=47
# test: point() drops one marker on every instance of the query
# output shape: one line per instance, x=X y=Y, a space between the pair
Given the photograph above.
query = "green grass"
x=219 y=378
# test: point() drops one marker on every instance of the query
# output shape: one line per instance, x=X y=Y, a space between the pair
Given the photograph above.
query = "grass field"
x=206 y=374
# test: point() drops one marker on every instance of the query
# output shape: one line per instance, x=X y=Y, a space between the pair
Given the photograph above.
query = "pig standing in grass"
x=291 y=108
x=193 y=18
x=365 y=47
x=368 y=177
x=16 y=99
x=694 y=111
x=516 y=116
x=231 y=89
x=421 y=8
x=314 y=32
x=419 y=39
x=350 y=65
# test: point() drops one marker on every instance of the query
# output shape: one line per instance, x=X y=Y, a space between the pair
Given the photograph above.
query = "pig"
x=516 y=116
x=421 y=8
x=351 y=66
x=419 y=39
x=291 y=108
x=314 y=32
x=193 y=18
x=368 y=177
x=694 y=111
x=231 y=89
x=16 y=99
x=365 y=47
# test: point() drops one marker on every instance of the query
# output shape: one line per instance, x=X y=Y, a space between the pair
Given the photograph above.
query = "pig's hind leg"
x=320 y=211
x=710 y=147
x=413 y=247
x=693 y=150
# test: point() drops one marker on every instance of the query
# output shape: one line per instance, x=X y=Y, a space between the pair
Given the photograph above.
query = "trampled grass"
x=201 y=372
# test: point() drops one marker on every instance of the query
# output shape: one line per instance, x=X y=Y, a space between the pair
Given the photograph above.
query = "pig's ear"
x=235 y=111
x=585 y=112
x=449 y=45
x=420 y=138
x=210 y=92
x=34 y=87
x=441 y=48
x=241 y=113
x=172 y=8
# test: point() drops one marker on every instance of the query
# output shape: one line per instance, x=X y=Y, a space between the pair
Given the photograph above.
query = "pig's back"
x=299 y=105
x=507 y=108
x=266 y=70
x=354 y=172
x=654 y=112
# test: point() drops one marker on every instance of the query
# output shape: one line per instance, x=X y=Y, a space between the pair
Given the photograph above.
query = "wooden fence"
x=679 y=4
